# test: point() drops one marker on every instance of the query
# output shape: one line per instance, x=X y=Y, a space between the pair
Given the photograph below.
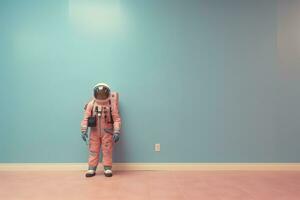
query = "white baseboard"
x=155 y=166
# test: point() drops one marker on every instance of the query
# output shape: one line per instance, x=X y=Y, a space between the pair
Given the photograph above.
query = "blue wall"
x=199 y=77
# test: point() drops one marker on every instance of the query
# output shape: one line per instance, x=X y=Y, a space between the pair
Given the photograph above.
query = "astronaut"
x=102 y=117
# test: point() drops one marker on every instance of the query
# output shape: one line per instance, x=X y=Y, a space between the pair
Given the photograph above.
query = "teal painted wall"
x=199 y=77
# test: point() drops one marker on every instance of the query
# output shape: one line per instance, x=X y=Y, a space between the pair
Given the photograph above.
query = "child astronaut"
x=102 y=116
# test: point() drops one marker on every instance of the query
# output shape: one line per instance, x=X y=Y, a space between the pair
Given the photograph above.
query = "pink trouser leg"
x=107 y=149
x=94 y=149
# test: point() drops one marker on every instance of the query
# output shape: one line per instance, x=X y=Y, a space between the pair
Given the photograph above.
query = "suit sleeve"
x=116 y=114
x=87 y=113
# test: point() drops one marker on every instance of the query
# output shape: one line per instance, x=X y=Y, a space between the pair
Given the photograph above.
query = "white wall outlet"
x=157 y=147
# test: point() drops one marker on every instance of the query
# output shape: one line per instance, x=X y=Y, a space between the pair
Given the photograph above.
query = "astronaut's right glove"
x=84 y=137
x=116 y=137
x=84 y=134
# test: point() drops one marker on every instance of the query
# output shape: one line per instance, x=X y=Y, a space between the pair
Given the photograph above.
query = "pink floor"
x=160 y=185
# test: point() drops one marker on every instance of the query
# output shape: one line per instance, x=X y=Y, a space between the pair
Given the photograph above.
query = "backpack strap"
x=86 y=105
x=92 y=108
x=112 y=103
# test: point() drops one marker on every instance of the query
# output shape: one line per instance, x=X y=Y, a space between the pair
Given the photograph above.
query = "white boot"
x=108 y=172
x=90 y=173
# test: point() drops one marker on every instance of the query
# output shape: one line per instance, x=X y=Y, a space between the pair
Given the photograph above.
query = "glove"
x=84 y=134
x=84 y=137
x=116 y=137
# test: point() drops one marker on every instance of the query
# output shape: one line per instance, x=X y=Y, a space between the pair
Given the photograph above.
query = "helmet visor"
x=101 y=92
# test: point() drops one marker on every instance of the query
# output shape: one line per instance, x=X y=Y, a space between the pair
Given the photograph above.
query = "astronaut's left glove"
x=116 y=136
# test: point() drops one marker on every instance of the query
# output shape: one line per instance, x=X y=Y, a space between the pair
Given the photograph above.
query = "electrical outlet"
x=157 y=147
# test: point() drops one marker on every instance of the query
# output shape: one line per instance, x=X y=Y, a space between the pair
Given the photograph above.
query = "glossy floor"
x=160 y=185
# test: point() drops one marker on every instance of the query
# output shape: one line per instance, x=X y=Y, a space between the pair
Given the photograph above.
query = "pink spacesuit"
x=108 y=124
